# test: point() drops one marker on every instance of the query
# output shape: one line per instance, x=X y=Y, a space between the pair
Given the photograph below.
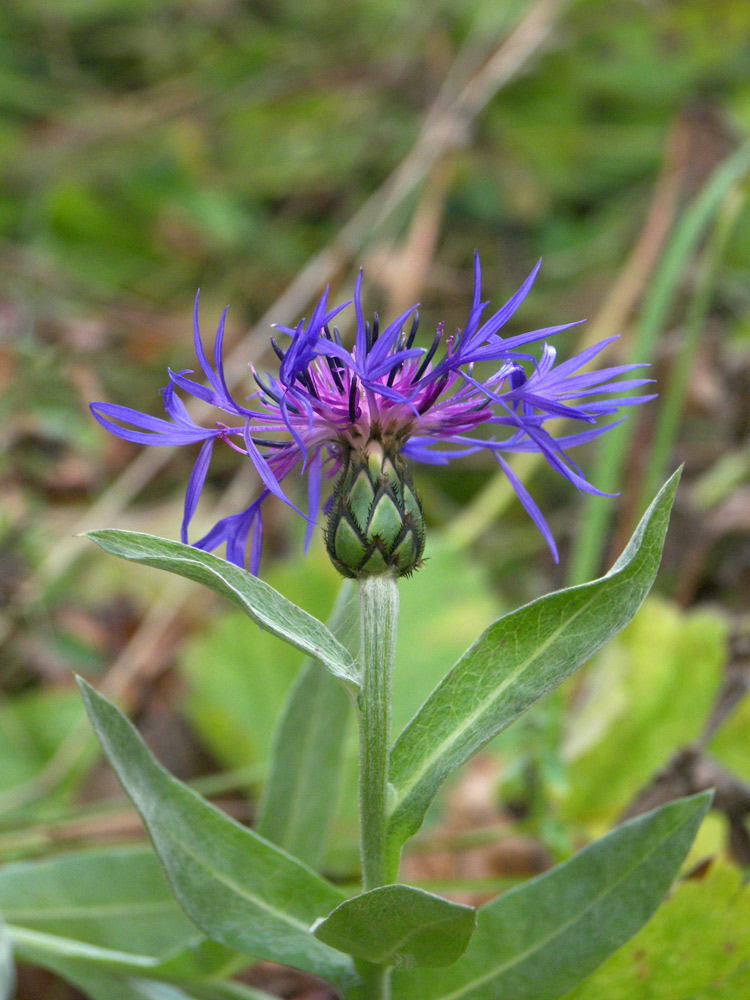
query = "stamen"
x=375 y=327
x=430 y=354
x=333 y=365
x=307 y=382
x=353 y=400
x=432 y=394
x=413 y=331
x=368 y=336
x=280 y=354
x=265 y=443
x=272 y=394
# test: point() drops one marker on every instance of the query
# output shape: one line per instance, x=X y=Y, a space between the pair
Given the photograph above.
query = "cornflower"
x=362 y=413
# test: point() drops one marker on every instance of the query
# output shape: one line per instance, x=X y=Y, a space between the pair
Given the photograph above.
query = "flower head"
x=387 y=397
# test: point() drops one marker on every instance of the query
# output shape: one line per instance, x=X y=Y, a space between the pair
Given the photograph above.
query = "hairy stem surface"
x=378 y=599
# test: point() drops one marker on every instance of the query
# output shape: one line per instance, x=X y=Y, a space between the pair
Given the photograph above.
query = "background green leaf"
x=116 y=898
x=101 y=983
x=697 y=947
x=300 y=790
x=646 y=695
x=33 y=724
x=539 y=940
x=730 y=743
x=235 y=710
x=400 y=926
x=104 y=973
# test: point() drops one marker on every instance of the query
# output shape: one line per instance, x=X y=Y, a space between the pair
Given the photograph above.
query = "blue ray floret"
x=329 y=401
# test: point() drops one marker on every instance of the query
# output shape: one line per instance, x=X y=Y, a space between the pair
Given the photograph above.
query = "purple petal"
x=196 y=389
x=195 y=486
x=388 y=338
x=501 y=317
x=314 y=479
x=549 y=405
x=361 y=336
x=201 y=354
x=154 y=430
x=567 y=441
x=477 y=307
x=264 y=470
x=423 y=450
x=257 y=544
x=500 y=348
x=579 y=360
x=237 y=534
x=529 y=505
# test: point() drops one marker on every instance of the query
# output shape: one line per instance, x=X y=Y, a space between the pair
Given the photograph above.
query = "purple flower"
x=328 y=401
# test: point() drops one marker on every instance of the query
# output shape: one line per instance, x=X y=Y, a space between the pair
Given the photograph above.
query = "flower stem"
x=378 y=602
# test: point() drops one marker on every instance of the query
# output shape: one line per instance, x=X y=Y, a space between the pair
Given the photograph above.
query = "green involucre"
x=376 y=523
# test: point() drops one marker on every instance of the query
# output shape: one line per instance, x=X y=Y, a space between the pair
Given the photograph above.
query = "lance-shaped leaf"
x=539 y=940
x=266 y=606
x=513 y=663
x=241 y=890
x=300 y=792
x=114 y=901
x=114 y=898
x=99 y=975
x=106 y=973
x=401 y=926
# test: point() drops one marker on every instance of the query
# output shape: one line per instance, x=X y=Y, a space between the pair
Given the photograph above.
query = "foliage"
x=252 y=897
x=645 y=696
x=695 y=947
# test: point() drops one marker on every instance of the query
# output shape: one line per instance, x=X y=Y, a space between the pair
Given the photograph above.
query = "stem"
x=378 y=603
x=377 y=980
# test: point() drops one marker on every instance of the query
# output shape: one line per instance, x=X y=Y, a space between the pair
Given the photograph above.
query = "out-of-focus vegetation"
x=258 y=150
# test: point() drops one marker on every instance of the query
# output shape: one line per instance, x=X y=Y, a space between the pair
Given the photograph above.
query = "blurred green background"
x=259 y=150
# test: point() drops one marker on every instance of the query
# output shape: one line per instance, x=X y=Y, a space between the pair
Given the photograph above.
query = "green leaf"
x=267 y=608
x=730 y=743
x=635 y=695
x=236 y=709
x=241 y=890
x=115 y=905
x=116 y=898
x=696 y=947
x=32 y=727
x=300 y=792
x=513 y=663
x=7 y=969
x=541 y=939
x=443 y=608
x=99 y=974
x=110 y=907
x=89 y=966
x=401 y=926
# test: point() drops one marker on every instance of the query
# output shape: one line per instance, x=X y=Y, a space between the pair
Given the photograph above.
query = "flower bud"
x=376 y=523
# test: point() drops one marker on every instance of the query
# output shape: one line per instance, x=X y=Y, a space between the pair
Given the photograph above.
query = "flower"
x=330 y=402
